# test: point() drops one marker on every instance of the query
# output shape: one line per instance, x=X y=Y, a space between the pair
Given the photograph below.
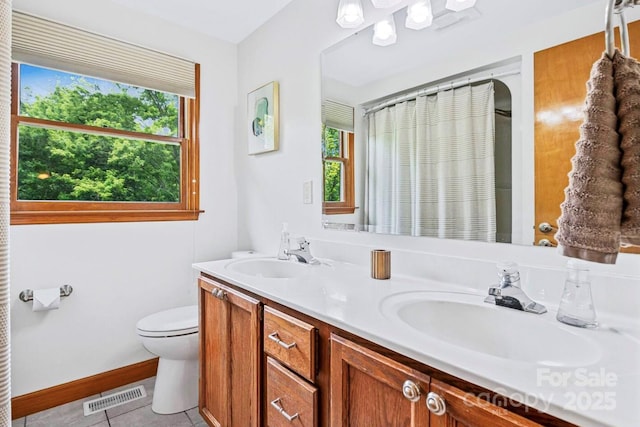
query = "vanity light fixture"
x=458 y=5
x=350 y=13
x=419 y=15
x=384 y=32
x=381 y=4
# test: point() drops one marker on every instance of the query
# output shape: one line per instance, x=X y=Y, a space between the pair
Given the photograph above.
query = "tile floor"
x=133 y=414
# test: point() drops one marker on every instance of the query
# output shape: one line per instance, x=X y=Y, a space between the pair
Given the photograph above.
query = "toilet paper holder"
x=27 y=294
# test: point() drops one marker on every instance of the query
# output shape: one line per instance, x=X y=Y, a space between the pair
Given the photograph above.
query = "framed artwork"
x=262 y=118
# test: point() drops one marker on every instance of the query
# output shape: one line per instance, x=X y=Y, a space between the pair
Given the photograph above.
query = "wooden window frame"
x=348 y=205
x=69 y=212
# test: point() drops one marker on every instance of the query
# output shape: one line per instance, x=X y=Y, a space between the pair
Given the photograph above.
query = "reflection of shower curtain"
x=431 y=166
x=5 y=122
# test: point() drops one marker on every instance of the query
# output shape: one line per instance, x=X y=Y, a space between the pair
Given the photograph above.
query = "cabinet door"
x=466 y=410
x=230 y=338
x=368 y=389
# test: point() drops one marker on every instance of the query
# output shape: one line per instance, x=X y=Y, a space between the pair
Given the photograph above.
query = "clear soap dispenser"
x=284 y=242
x=576 y=306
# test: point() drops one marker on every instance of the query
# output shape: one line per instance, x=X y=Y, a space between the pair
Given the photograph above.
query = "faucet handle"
x=302 y=242
x=508 y=273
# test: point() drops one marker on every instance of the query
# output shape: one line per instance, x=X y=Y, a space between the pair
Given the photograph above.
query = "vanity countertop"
x=603 y=389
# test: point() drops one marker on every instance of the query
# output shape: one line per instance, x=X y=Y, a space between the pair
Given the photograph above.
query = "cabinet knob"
x=411 y=391
x=219 y=293
x=436 y=404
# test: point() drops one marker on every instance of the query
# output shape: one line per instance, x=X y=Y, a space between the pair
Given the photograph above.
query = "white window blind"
x=44 y=43
x=337 y=116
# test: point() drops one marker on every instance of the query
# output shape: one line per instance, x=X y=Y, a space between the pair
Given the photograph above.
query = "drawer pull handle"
x=274 y=337
x=276 y=404
x=436 y=404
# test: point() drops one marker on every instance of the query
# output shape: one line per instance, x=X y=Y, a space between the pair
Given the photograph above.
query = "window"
x=337 y=159
x=87 y=147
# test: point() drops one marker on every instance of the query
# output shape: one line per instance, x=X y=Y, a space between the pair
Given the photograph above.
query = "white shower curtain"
x=431 y=166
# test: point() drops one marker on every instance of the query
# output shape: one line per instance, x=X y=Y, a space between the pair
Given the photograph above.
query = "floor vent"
x=113 y=400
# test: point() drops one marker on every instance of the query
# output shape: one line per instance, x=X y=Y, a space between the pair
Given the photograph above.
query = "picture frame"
x=263 y=119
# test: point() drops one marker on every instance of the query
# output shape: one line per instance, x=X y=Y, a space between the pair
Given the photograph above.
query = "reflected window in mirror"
x=338 y=158
x=337 y=161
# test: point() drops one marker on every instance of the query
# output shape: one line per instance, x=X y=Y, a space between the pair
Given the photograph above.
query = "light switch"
x=307 y=192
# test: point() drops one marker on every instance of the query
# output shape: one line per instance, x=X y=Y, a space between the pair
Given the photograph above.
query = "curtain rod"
x=435 y=89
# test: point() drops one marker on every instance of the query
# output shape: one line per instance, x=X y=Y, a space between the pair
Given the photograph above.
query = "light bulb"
x=419 y=12
x=419 y=15
x=384 y=32
x=350 y=13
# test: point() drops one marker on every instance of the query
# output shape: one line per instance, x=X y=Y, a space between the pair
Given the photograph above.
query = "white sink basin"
x=270 y=268
x=464 y=320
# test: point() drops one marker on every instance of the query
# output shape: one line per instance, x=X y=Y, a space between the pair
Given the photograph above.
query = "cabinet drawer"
x=291 y=341
x=290 y=399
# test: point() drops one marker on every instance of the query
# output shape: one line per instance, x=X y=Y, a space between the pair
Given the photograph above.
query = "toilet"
x=172 y=335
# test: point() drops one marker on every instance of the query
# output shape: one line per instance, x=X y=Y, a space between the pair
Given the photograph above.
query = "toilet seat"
x=170 y=323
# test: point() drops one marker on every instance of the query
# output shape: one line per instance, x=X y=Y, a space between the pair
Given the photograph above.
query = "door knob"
x=545 y=227
x=545 y=242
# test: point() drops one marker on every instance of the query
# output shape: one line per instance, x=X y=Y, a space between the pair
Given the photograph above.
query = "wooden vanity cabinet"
x=250 y=376
x=230 y=356
x=368 y=388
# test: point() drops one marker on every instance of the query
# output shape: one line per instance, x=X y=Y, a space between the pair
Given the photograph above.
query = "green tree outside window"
x=69 y=165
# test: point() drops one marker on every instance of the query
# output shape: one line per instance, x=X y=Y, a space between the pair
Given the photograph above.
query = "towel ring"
x=617 y=6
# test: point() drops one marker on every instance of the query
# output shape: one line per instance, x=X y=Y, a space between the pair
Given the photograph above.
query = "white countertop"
x=602 y=391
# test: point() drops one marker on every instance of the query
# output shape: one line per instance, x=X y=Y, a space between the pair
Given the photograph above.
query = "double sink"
x=459 y=319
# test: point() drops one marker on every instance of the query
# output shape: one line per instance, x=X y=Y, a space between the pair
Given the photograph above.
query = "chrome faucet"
x=509 y=293
x=303 y=253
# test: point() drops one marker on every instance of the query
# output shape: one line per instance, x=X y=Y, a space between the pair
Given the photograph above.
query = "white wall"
x=288 y=48
x=122 y=272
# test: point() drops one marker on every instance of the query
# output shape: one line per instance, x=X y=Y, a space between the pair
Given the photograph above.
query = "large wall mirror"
x=404 y=153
